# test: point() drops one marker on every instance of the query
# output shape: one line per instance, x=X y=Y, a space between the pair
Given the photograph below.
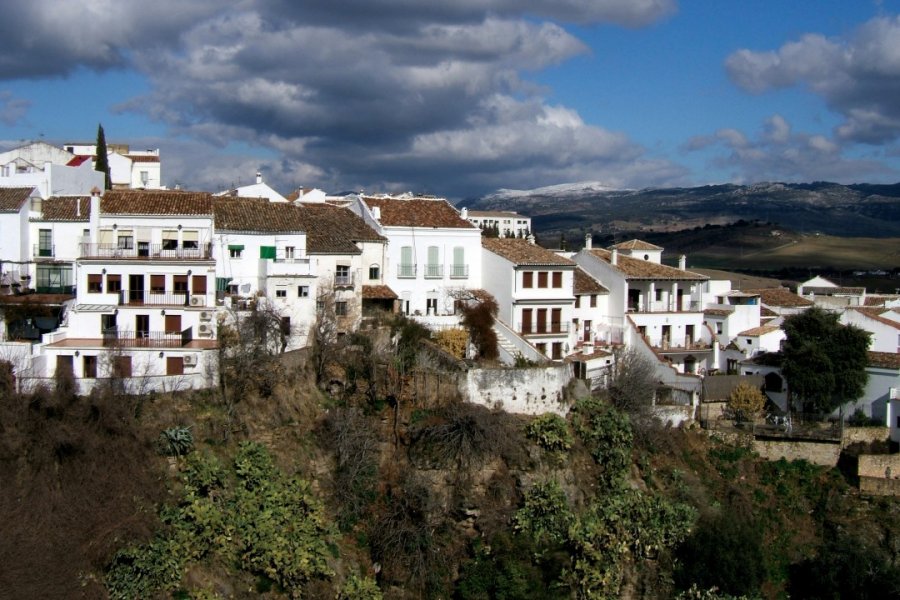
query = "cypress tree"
x=102 y=164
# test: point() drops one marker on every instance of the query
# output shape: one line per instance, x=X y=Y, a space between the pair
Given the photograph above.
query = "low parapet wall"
x=864 y=435
x=825 y=453
x=530 y=391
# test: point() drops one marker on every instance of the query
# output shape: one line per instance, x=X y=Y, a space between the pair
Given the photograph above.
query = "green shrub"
x=359 y=588
x=176 y=441
x=550 y=432
x=545 y=515
x=607 y=434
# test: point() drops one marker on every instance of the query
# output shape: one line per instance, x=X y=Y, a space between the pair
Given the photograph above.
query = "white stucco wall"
x=532 y=391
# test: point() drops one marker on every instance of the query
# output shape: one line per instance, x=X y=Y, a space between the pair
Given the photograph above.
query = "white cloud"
x=858 y=76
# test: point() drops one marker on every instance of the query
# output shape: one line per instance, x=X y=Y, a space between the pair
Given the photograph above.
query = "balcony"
x=543 y=328
x=151 y=298
x=44 y=251
x=144 y=251
x=666 y=346
x=406 y=271
x=459 y=271
x=434 y=271
x=146 y=339
x=346 y=280
x=662 y=307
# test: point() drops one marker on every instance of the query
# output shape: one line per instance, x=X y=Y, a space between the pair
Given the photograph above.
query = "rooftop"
x=633 y=268
x=758 y=331
x=378 y=292
x=585 y=284
x=256 y=215
x=635 y=245
x=875 y=315
x=884 y=360
x=334 y=229
x=782 y=297
x=156 y=202
x=417 y=212
x=12 y=198
x=65 y=208
x=523 y=252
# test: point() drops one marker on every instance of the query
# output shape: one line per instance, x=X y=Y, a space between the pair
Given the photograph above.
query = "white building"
x=431 y=250
x=145 y=301
x=135 y=169
x=507 y=223
x=830 y=296
x=882 y=324
x=534 y=289
x=260 y=189
x=15 y=251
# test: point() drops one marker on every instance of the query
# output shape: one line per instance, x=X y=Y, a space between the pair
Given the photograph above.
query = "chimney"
x=588 y=241
x=95 y=215
x=376 y=212
x=614 y=257
x=682 y=262
x=464 y=214
x=78 y=206
x=258 y=177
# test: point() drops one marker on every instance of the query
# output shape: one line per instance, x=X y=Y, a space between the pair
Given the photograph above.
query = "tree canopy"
x=824 y=361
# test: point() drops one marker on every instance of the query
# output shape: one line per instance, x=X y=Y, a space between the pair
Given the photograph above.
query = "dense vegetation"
x=388 y=486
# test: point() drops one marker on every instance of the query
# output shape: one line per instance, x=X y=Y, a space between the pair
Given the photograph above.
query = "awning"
x=235 y=246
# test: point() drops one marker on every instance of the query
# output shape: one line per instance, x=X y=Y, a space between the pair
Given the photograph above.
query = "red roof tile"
x=417 y=212
x=585 y=284
x=633 y=268
x=781 y=296
x=64 y=208
x=523 y=252
x=156 y=202
x=12 y=198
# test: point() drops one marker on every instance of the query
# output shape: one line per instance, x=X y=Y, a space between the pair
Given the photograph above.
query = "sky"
x=462 y=98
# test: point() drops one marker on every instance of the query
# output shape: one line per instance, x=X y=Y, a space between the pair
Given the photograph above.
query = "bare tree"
x=324 y=340
x=632 y=382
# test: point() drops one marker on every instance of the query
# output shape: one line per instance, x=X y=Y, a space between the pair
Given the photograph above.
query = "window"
x=289 y=252
x=407 y=268
x=65 y=365
x=433 y=268
x=459 y=262
x=557 y=350
x=121 y=366
x=145 y=178
x=198 y=283
x=556 y=320
x=113 y=283
x=285 y=326
x=281 y=293
x=340 y=309
x=190 y=239
x=659 y=295
x=542 y=279
x=173 y=324
x=577 y=301
x=593 y=301
x=125 y=240
x=267 y=252
x=90 y=367
x=180 y=284
x=374 y=272
x=719 y=328
x=169 y=239
x=342 y=275
x=45 y=242
x=158 y=284
x=235 y=251
x=95 y=284
x=174 y=365
x=527 y=320
x=527 y=279
x=303 y=291
x=541 y=347
x=107 y=323
x=557 y=279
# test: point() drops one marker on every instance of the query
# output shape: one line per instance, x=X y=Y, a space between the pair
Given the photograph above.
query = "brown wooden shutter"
x=199 y=284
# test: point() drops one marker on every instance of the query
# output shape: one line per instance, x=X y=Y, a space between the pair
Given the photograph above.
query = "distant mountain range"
x=859 y=210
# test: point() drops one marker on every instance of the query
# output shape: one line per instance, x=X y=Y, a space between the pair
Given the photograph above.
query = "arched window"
x=374 y=272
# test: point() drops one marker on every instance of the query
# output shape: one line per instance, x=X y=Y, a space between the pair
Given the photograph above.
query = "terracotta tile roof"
x=885 y=360
x=523 y=252
x=831 y=291
x=256 y=215
x=12 y=198
x=875 y=315
x=78 y=160
x=63 y=208
x=378 y=292
x=781 y=297
x=581 y=356
x=417 y=212
x=585 y=284
x=758 y=331
x=143 y=158
x=635 y=245
x=633 y=268
x=156 y=202
x=767 y=312
x=334 y=229
x=718 y=312
x=880 y=300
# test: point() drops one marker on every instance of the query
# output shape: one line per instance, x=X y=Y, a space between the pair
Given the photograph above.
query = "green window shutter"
x=432 y=255
x=459 y=255
x=406 y=255
x=222 y=283
x=267 y=252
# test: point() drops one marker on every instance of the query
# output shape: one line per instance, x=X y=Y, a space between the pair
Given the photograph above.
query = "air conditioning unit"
x=198 y=301
x=190 y=360
x=204 y=330
x=206 y=315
